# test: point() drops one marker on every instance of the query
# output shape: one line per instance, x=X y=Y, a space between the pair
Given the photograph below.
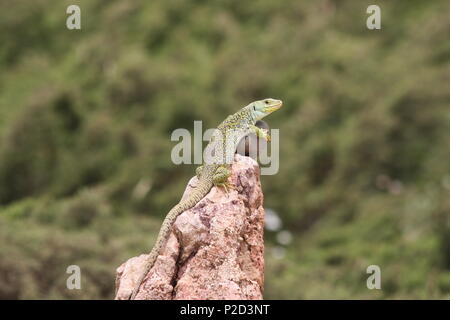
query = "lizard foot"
x=226 y=186
x=220 y=178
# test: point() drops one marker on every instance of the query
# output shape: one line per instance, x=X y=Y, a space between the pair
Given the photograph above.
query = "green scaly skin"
x=216 y=168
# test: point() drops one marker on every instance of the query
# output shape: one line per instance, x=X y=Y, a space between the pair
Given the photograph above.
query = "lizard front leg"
x=220 y=178
x=260 y=132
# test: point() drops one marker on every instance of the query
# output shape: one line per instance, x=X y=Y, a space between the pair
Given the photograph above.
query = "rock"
x=215 y=250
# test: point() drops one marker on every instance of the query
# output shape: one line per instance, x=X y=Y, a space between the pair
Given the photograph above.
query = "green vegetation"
x=86 y=117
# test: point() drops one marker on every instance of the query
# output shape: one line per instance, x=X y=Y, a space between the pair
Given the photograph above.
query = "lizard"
x=215 y=170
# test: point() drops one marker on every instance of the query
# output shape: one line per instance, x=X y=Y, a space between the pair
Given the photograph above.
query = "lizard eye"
x=254 y=108
x=266 y=102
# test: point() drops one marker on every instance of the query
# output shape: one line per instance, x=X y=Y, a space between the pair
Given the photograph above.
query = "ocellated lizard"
x=216 y=168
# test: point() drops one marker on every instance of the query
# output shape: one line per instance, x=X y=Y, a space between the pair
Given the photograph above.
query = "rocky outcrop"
x=215 y=250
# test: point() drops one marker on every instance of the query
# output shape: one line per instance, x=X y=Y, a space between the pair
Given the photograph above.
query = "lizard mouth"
x=273 y=107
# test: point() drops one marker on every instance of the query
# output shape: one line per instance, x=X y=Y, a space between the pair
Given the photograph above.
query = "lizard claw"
x=226 y=186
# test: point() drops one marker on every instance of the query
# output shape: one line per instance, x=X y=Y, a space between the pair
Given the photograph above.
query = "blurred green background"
x=86 y=116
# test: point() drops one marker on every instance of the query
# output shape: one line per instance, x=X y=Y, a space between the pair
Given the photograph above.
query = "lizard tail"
x=190 y=201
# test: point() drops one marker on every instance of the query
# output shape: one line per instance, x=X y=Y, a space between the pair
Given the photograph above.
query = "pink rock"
x=215 y=250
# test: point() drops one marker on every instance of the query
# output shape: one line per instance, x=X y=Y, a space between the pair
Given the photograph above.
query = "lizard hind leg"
x=220 y=178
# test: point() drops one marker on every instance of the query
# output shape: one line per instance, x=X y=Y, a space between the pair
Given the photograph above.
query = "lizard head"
x=262 y=108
